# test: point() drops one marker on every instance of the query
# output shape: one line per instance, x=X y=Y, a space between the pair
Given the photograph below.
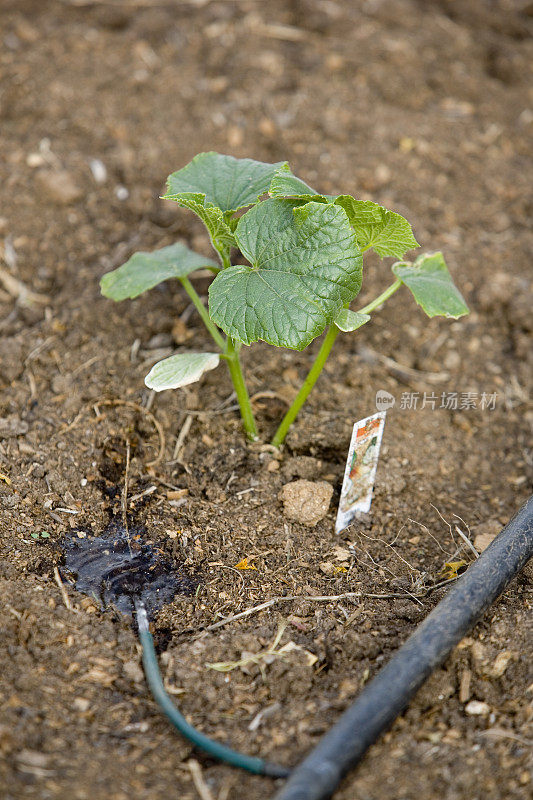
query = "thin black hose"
x=257 y=766
x=317 y=777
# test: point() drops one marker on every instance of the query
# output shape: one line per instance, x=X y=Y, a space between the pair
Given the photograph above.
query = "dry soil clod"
x=306 y=502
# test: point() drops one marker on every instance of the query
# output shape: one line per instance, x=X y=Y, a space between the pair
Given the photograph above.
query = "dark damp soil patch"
x=119 y=566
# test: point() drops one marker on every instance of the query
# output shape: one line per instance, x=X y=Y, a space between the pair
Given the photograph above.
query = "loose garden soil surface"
x=422 y=106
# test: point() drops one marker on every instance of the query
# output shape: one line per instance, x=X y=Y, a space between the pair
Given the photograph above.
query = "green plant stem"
x=316 y=369
x=224 y=256
x=230 y=354
x=202 y=310
x=243 y=398
x=307 y=385
x=381 y=298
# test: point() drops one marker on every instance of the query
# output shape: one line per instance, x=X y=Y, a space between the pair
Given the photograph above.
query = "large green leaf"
x=285 y=184
x=180 y=370
x=226 y=182
x=143 y=270
x=431 y=285
x=212 y=217
x=305 y=266
x=386 y=232
x=348 y=320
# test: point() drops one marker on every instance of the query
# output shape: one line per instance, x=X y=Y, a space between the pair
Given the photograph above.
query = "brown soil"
x=422 y=106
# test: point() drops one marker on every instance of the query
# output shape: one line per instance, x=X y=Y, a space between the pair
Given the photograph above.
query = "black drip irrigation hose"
x=219 y=751
x=388 y=694
x=317 y=777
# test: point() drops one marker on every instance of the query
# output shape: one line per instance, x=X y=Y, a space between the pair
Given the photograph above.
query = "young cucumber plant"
x=301 y=267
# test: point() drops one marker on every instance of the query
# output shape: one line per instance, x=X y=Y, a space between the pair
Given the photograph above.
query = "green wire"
x=219 y=751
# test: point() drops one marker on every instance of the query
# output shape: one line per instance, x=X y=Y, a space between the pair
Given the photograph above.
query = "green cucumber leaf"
x=305 y=266
x=212 y=217
x=347 y=320
x=143 y=271
x=285 y=184
x=227 y=183
x=386 y=232
x=180 y=370
x=431 y=285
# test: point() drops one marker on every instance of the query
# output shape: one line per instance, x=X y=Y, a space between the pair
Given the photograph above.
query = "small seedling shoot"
x=299 y=266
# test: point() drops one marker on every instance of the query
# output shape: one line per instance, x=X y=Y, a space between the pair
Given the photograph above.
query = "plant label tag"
x=360 y=472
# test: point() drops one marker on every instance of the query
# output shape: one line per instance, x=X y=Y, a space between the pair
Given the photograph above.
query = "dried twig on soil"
x=466 y=540
x=198 y=779
x=32 y=383
x=446 y=523
x=39 y=349
x=133 y=4
x=182 y=435
x=285 y=33
x=136 y=4
x=227 y=566
x=502 y=733
x=226 y=788
x=313 y=598
x=426 y=529
x=252 y=658
x=408 y=375
x=129 y=404
x=382 y=541
x=246 y=613
x=125 y=489
x=155 y=422
x=20 y=291
x=150 y=490
x=62 y=589
x=413 y=569
x=160 y=481
x=85 y=365
x=268 y=395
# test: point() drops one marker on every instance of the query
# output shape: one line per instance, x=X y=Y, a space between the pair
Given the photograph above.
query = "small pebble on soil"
x=59 y=186
x=306 y=502
x=476 y=708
